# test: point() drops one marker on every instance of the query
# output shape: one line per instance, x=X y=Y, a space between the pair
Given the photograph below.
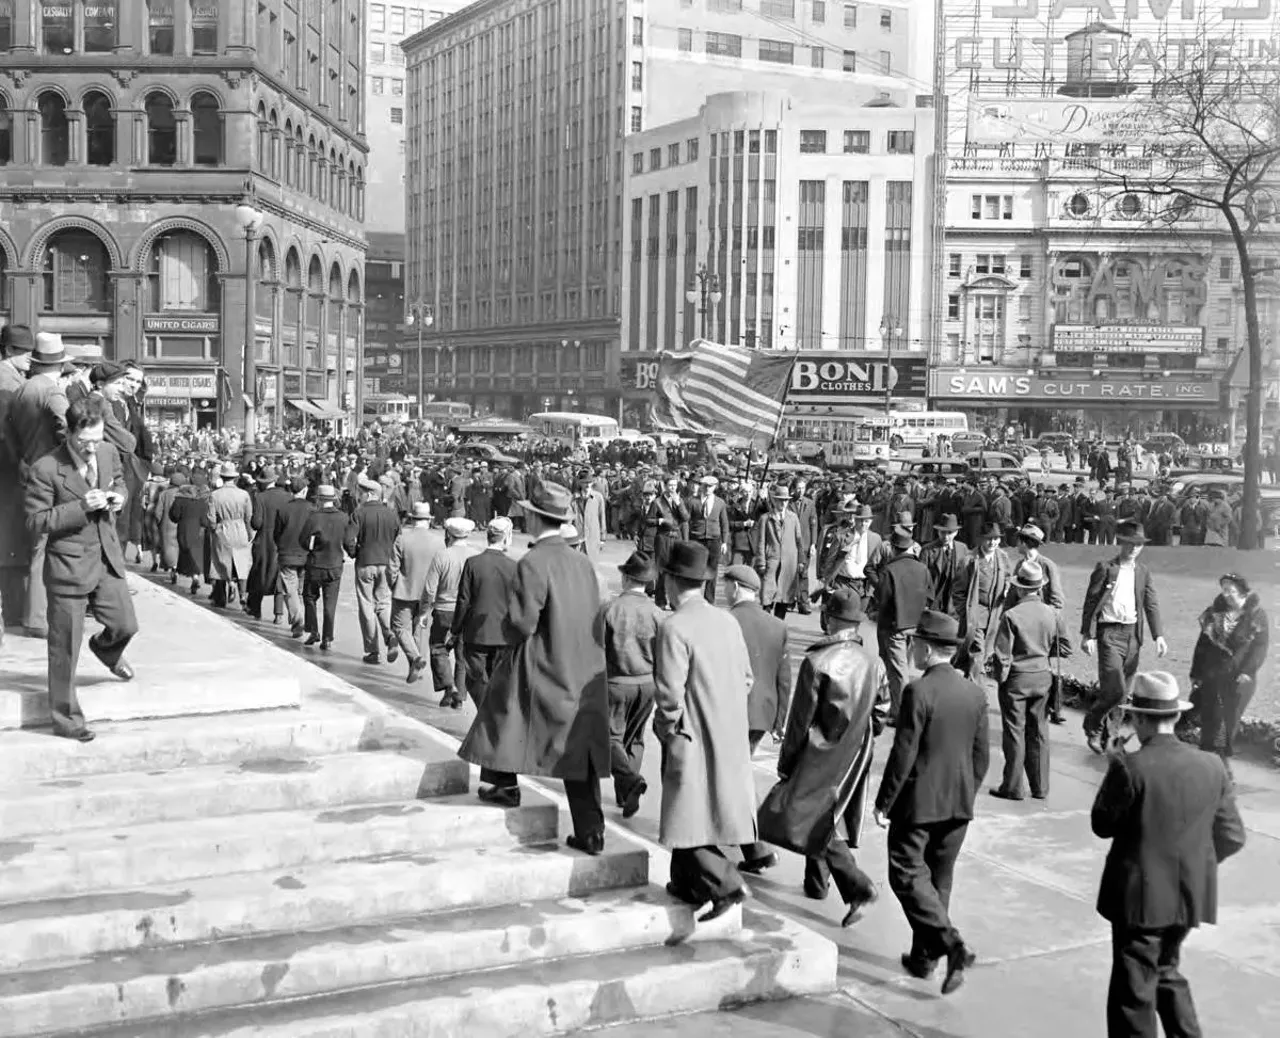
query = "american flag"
x=709 y=388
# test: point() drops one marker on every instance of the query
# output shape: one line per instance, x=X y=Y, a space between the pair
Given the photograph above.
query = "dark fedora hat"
x=688 y=560
x=639 y=566
x=947 y=524
x=551 y=500
x=938 y=628
x=17 y=337
x=1130 y=532
x=902 y=538
x=844 y=604
x=990 y=530
x=854 y=510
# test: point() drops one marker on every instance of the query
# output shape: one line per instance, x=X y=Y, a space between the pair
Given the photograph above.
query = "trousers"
x=754 y=851
x=111 y=605
x=291 y=578
x=1147 y=986
x=1024 y=699
x=373 y=604
x=585 y=806
x=442 y=657
x=478 y=662
x=922 y=863
x=703 y=874
x=630 y=707
x=713 y=567
x=36 y=617
x=404 y=624
x=893 y=654
x=1118 y=652
x=324 y=583
x=836 y=863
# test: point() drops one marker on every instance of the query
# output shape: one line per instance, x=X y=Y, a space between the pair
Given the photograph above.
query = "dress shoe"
x=959 y=959
x=326 y=645
x=856 y=907
x=1039 y=796
x=592 y=843
x=416 y=667
x=297 y=631
x=631 y=802
x=372 y=657
x=1096 y=741
x=1057 y=718
x=312 y=639
x=393 y=654
x=173 y=578
x=500 y=796
x=77 y=734
x=721 y=905
x=1004 y=794
x=277 y=620
x=121 y=669
x=680 y=894
x=918 y=966
x=815 y=893
x=757 y=865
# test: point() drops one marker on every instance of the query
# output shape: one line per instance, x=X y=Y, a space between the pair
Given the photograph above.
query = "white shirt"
x=855 y=557
x=1121 y=606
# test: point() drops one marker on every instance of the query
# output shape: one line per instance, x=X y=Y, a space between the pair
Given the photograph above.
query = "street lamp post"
x=704 y=287
x=250 y=220
x=890 y=329
x=422 y=316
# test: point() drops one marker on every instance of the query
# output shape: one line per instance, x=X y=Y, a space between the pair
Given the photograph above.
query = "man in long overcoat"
x=546 y=710
x=703 y=676
x=664 y=522
x=840 y=704
x=589 y=518
x=264 y=574
x=189 y=508
x=228 y=517
x=16 y=344
x=979 y=598
x=778 y=544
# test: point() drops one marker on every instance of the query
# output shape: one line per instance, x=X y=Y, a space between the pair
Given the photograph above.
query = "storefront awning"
x=324 y=412
x=305 y=406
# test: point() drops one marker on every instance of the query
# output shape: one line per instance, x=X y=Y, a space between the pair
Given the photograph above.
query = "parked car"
x=945 y=468
x=994 y=463
x=1055 y=441
x=1231 y=483
x=477 y=452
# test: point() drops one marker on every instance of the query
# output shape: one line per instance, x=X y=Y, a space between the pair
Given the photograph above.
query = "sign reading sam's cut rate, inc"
x=1008 y=387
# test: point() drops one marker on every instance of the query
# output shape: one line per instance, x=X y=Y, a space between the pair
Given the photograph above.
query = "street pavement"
x=1024 y=895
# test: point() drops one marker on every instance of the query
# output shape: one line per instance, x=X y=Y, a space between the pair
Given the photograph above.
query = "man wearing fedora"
x=546 y=710
x=629 y=629
x=1119 y=606
x=848 y=546
x=778 y=543
x=1030 y=634
x=322 y=536
x=370 y=537
x=901 y=594
x=824 y=765
x=1031 y=538
x=944 y=557
x=411 y=556
x=37 y=425
x=440 y=601
x=16 y=344
x=264 y=572
x=979 y=599
x=481 y=610
x=709 y=525
x=291 y=554
x=229 y=518
x=665 y=520
x=939 y=758
x=73 y=495
x=1170 y=814
x=701 y=719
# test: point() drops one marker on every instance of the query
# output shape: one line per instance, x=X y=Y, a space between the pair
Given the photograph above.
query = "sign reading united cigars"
x=1007 y=386
x=187 y=325
x=829 y=376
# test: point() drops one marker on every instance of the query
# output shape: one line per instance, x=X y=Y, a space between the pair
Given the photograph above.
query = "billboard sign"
x=1005 y=386
x=1127 y=338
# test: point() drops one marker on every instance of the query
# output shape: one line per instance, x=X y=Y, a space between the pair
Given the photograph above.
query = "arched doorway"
x=76 y=300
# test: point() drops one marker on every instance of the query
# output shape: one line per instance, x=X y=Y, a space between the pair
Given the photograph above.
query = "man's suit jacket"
x=1103 y=579
x=483 y=591
x=940 y=750
x=766 y=638
x=411 y=557
x=713 y=527
x=37 y=419
x=944 y=571
x=807 y=513
x=1170 y=814
x=290 y=521
x=83 y=547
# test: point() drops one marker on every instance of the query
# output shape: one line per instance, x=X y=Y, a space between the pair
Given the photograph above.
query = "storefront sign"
x=639 y=372
x=184 y=386
x=1005 y=386
x=1127 y=338
x=292 y=384
x=846 y=375
x=202 y=325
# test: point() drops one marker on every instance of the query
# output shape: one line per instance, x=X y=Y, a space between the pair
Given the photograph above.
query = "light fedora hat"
x=1156 y=693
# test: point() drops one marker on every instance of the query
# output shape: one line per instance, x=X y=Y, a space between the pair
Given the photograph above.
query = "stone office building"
x=137 y=139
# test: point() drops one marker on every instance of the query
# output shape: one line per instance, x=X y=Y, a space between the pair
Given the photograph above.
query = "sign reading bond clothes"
x=1001 y=387
x=844 y=376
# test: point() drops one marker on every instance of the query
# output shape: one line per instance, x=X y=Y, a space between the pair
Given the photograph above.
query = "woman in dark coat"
x=188 y=510
x=1234 y=633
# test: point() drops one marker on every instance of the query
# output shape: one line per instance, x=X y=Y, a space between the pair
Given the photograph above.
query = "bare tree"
x=1215 y=131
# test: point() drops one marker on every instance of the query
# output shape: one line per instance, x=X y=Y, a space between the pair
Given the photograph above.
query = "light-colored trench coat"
x=703 y=677
x=777 y=542
x=229 y=515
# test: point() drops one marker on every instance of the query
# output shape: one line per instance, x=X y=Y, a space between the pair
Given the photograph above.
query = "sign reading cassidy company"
x=1003 y=387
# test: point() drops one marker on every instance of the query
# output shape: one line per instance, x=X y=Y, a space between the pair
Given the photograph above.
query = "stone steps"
x=68 y=863
x=769 y=959
x=157 y=983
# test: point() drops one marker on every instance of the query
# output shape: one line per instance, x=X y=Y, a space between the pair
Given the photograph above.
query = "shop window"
x=204 y=27
x=160 y=26
x=162 y=131
x=58 y=27
x=99 y=26
x=99 y=130
x=6 y=135
x=6 y=27
x=54 y=132
x=75 y=274
x=206 y=129
x=182 y=275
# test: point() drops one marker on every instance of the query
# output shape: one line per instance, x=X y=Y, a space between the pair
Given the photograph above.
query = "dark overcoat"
x=264 y=570
x=546 y=709
x=839 y=706
x=766 y=638
x=188 y=510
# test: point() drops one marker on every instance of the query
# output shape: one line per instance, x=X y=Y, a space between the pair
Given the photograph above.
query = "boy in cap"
x=481 y=609
x=440 y=600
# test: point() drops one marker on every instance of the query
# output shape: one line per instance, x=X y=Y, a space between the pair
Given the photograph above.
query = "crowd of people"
x=953 y=574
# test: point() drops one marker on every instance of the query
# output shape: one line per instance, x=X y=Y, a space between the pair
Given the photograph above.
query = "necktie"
x=91 y=471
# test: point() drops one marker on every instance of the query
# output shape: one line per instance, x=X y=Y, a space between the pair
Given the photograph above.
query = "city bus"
x=386 y=407
x=445 y=413
x=841 y=441
x=574 y=428
x=919 y=428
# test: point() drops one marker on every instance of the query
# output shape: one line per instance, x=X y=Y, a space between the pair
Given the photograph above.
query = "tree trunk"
x=1249 y=506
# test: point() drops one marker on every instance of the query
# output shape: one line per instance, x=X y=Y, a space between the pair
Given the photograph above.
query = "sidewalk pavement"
x=1024 y=897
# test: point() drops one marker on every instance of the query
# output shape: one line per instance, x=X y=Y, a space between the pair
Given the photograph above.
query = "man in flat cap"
x=440 y=600
x=369 y=540
x=481 y=608
x=16 y=344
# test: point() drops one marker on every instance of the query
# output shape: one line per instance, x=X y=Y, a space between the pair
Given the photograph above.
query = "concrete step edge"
x=152 y=984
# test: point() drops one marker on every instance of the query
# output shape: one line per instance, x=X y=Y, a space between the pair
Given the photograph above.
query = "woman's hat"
x=1156 y=693
x=937 y=628
x=1236 y=579
x=1130 y=532
x=688 y=561
x=948 y=524
x=639 y=566
x=107 y=371
x=1032 y=533
x=1029 y=576
x=550 y=500
x=844 y=603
